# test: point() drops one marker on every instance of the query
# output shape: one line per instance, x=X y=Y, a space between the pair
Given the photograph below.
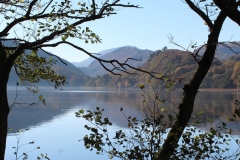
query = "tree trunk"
x=190 y=91
x=4 y=110
x=4 y=107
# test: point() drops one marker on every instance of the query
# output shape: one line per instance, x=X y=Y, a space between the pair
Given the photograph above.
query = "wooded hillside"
x=176 y=63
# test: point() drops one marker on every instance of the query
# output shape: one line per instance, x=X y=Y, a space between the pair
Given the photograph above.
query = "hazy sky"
x=148 y=28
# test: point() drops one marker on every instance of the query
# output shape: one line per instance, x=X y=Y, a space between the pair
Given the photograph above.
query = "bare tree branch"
x=230 y=8
x=30 y=8
x=41 y=13
x=123 y=65
x=200 y=13
x=53 y=55
x=186 y=49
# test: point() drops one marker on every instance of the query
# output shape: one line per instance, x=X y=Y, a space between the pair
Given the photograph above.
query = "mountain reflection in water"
x=57 y=121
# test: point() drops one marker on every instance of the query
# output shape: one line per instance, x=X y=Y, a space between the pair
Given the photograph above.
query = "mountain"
x=121 y=54
x=224 y=73
x=175 y=64
x=42 y=53
x=225 y=50
x=89 y=60
x=69 y=66
x=75 y=77
x=86 y=62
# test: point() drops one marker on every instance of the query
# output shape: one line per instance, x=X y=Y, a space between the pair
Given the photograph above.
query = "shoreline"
x=217 y=90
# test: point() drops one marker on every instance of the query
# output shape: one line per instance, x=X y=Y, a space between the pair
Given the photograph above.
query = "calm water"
x=56 y=130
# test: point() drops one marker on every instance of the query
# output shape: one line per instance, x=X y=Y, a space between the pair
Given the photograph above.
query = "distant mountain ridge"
x=86 y=62
x=176 y=61
x=89 y=60
x=225 y=50
x=121 y=54
x=74 y=75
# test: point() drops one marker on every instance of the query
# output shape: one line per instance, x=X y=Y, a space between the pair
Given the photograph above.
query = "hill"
x=75 y=77
x=224 y=73
x=89 y=60
x=121 y=54
x=225 y=50
x=176 y=64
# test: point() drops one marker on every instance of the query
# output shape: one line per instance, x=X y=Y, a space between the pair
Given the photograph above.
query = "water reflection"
x=57 y=131
x=214 y=105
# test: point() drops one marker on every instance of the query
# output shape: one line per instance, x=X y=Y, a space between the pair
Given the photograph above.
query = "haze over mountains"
x=121 y=54
x=175 y=64
x=86 y=62
x=178 y=62
x=225 y=50
x=69 y=70
x=76 y=77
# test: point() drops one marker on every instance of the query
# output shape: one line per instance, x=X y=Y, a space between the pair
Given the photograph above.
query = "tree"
x=230 y=8
x=214 y=15
x=191 y=89
x=46 y=23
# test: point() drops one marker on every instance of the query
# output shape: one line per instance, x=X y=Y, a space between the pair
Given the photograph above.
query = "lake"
x=57 y=131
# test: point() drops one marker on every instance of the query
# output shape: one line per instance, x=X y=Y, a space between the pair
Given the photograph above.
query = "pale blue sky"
x=147 y=28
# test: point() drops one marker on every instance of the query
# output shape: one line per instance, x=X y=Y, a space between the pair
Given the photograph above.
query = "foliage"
x=214 y=19
x=145 y=137
x=31 y=69
x=44 y=21
x=27 y=27
x=213 y=143
x=156 y=53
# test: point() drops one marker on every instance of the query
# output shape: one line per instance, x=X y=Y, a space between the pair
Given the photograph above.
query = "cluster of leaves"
x=63 y=14
x=31 y=69
x=41 y=22
x=144 y=138
x=197 y=143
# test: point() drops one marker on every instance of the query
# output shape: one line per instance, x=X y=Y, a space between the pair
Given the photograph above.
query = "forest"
x=175 y=64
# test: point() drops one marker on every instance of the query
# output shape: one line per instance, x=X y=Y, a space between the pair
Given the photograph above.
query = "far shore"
x=130 y=88
x=217 y=90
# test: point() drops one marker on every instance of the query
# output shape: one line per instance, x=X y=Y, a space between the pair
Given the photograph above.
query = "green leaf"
x=81 y=111
x=141 y=86
x=40 y=97
x=64 y=37
x=93 y=35
x=98 y=118
x=134 y=119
